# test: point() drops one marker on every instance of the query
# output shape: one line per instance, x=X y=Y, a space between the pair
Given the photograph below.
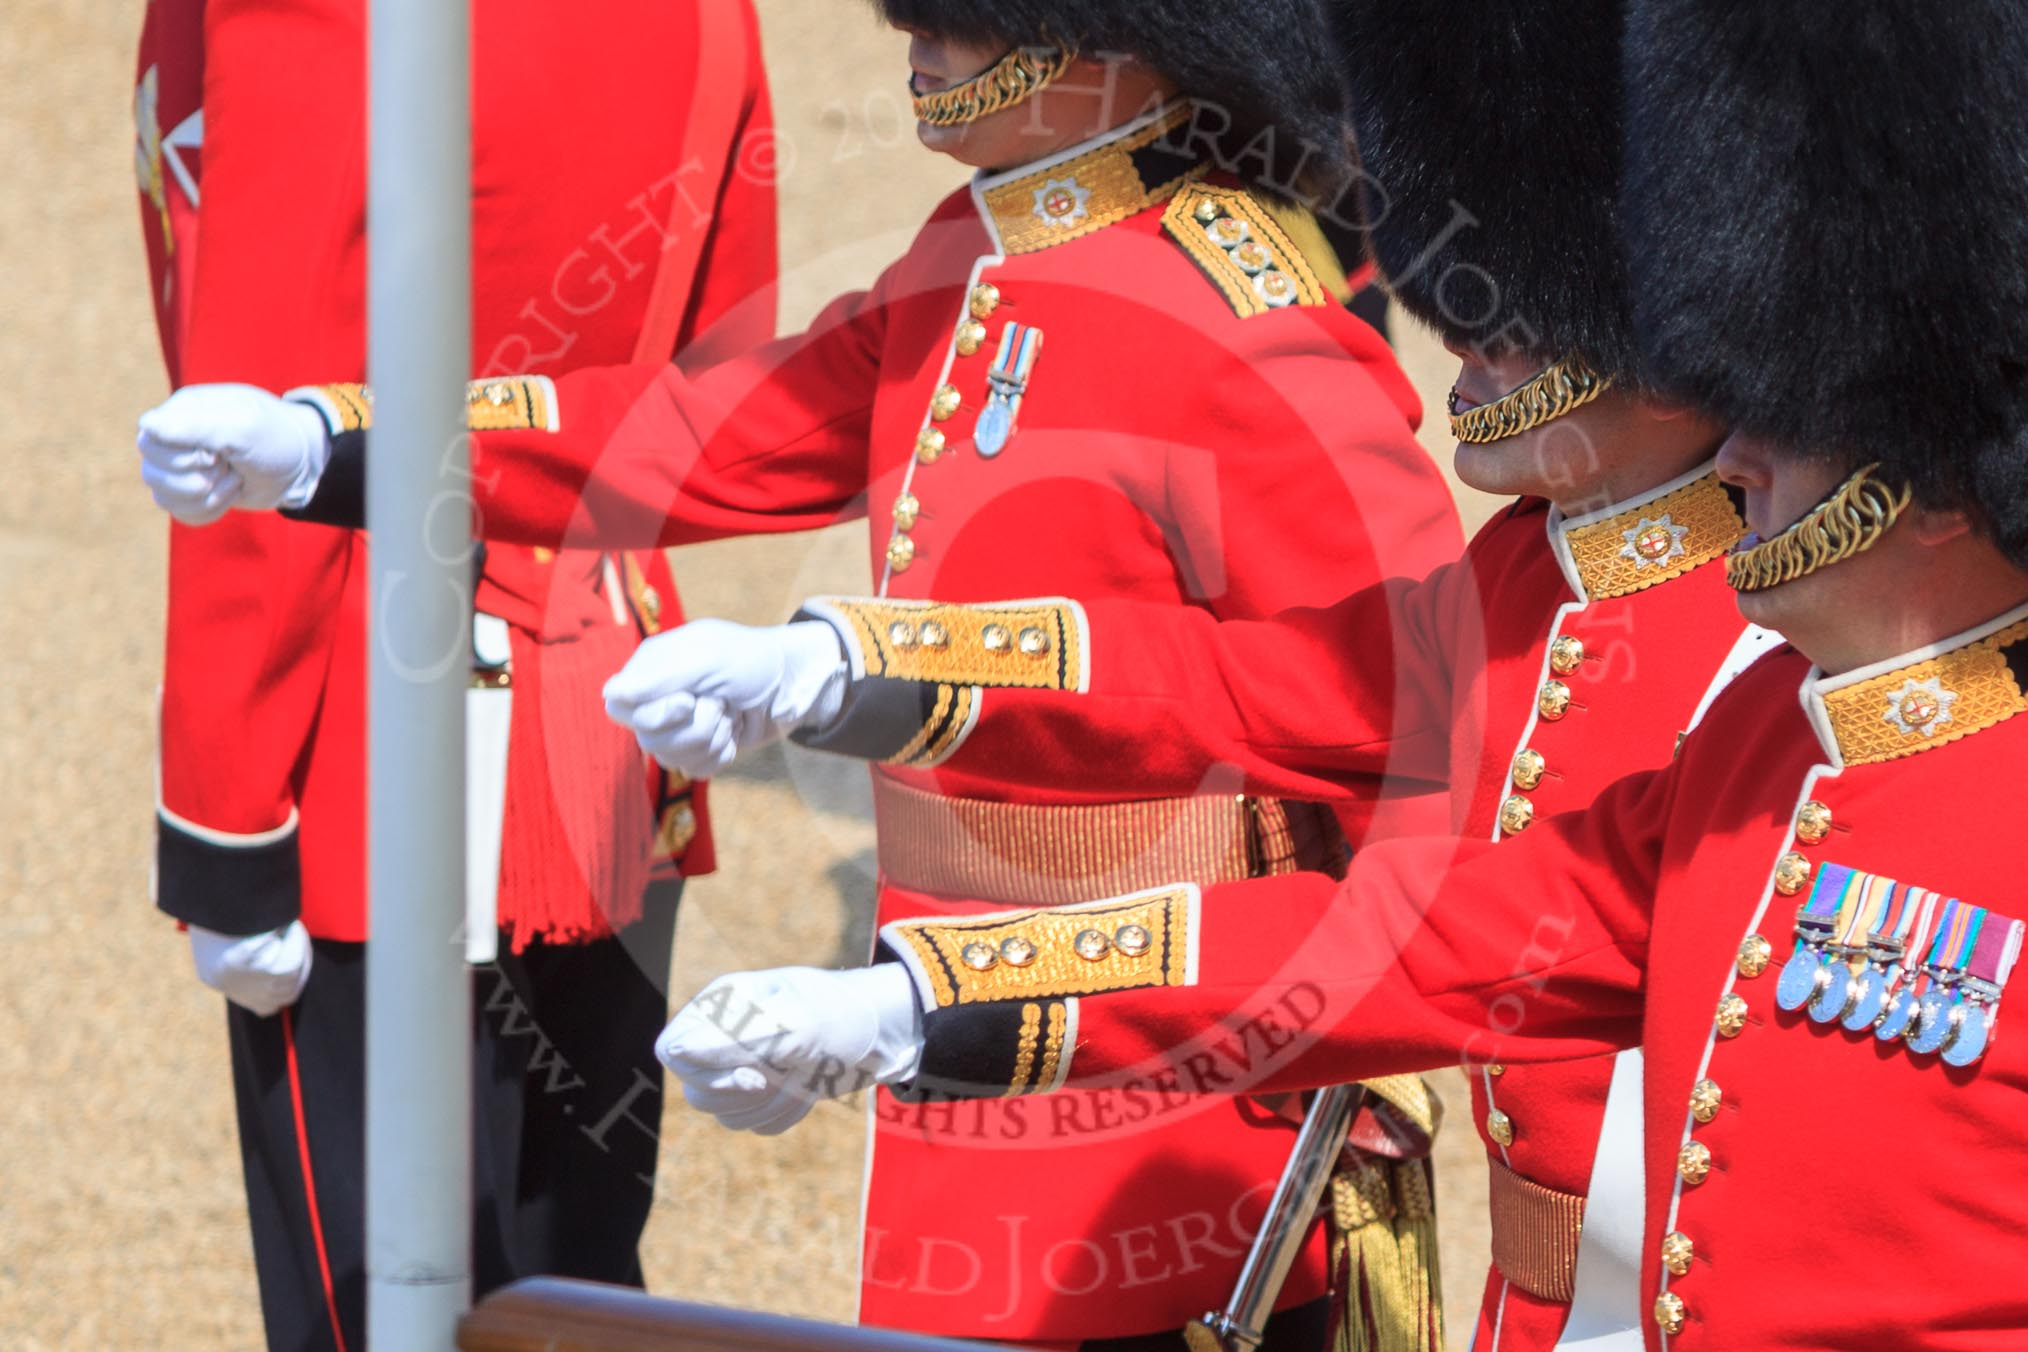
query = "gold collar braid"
x=1565 y=386
x=1850 y=521
x=1013 y=79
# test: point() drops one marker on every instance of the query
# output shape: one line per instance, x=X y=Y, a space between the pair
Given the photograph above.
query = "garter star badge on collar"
x=1650 y=544
x=1920 y=707
x=1020 y=345
x=1063 y=202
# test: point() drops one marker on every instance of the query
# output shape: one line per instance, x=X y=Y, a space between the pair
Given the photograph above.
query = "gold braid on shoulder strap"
x=1564 y=387
x=1013 y=79
x=1850 y=521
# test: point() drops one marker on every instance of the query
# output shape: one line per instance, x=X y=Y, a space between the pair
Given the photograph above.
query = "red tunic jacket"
x=1624 y=608
x=1662 y=916
x=1203 y=428
x=602 y=136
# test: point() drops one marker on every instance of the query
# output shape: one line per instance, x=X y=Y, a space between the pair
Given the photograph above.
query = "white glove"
x=258 y=972
x=758 y=1050
x=699 y=697
x=210 y=448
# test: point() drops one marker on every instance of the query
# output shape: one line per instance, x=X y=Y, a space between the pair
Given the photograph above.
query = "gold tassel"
x=1384 y=1256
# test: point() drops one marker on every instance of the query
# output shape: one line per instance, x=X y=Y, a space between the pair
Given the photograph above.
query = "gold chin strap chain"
x=1850 y=521
x=1013 y=79
x=1567 y=385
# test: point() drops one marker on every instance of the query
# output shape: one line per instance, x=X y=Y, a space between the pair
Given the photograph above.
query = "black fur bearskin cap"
x=1489 y=132
x=1827 y=207
x=1269 y=65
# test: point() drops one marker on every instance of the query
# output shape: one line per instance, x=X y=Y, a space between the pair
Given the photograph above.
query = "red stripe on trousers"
x=309 y=1177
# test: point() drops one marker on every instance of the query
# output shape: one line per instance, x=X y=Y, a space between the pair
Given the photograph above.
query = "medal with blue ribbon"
x=1020 y=345
x=1803 y=974
x=1906 y=993
x=1886 y=945
x=1986 y=972
x=1957 y=933
x=1865 y=898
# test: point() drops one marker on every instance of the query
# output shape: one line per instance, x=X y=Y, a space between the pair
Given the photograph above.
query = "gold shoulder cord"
x=1565 y=386
x=1014 y=78
x=1850 y=521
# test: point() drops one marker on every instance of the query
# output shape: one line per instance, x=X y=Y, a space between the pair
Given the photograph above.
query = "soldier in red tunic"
x=1116 y=365
x=1583 y=633
x=613 y=220
x=1806 y=919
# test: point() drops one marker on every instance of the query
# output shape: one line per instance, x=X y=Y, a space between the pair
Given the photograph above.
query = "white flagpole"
x=418 y=989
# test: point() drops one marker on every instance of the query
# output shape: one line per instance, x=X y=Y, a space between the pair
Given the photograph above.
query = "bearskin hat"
x=1828 y=216
x=1489 y=135
x=1269 y=65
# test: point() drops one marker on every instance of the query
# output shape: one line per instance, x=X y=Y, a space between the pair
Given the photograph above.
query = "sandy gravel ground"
x=121 y=1221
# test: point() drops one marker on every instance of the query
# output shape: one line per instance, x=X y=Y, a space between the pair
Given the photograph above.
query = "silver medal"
x=1868 y=1000
x=1833 y=991
x=1971 y=1029
x=1932 y=1023
x=1894 y=1019
x=1799 y=977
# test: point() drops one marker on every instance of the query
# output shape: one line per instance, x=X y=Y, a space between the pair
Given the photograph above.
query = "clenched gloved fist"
x=699 y=697
x=210 y=448
x=258 y=972
x=758 y=1050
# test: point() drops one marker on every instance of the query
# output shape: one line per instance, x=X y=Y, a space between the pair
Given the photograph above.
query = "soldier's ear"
x=1934 y=526
x=1690 y=416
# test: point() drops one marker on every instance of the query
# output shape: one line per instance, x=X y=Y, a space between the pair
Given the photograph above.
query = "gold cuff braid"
x=1013 y=79
x=1850 y=521
x=1562 y=388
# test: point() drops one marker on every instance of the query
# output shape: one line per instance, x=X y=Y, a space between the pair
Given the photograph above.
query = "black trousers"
x=567 y=1099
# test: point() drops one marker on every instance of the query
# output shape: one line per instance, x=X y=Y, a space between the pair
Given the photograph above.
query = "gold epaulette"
x=1235 y=238
x=517 y=403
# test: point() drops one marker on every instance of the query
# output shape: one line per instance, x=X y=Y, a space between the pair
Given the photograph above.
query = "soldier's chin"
x=1778 y=607
x=1508 y=468
x=944 y=140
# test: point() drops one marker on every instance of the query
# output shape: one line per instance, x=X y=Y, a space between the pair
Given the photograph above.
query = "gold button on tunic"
x=1554 y=701
x=1731 y=1016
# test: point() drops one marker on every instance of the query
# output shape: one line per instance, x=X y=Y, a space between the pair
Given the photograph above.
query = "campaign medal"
x=1803 y=974
x=1020 y=345
x=1957 y=932
x=1865 y=898
x=1885 y=947
x=1992 y=962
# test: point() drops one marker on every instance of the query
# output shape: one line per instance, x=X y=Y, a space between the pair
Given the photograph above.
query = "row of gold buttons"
x=1517 y=813
x=1693 y=1162
x=1253 y=258
x=930 y=443
x=1093 y=945
x=1552 y=702
x=1032 y=641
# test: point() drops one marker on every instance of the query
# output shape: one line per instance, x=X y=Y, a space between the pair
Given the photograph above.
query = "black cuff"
x=988 y=1049
x=340 y=499
x=228 y=889
x=884 y=717
x=880 y=718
